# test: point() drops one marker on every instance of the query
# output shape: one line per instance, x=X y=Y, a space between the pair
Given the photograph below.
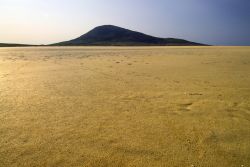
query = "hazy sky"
x=218 y=22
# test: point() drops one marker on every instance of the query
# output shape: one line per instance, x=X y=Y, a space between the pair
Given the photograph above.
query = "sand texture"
x=125 y=106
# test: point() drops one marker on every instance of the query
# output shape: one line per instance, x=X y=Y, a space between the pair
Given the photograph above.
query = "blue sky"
x=217 y=22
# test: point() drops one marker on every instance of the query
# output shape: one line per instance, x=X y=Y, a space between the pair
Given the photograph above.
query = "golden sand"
x=125 y=106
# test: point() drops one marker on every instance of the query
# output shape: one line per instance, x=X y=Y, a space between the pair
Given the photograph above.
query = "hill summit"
x=109 y=35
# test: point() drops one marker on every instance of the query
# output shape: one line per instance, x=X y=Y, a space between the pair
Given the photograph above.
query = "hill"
x=109 y=35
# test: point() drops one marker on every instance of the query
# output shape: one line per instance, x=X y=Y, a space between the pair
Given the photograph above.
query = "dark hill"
x=109 y=35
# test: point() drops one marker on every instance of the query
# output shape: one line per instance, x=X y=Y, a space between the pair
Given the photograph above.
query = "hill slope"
x=109 y=35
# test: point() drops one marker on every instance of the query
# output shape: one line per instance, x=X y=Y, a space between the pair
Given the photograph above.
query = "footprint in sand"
x=5 y=75
x=185 y=106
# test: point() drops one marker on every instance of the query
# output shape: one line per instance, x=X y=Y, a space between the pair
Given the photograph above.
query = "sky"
x=214 y=22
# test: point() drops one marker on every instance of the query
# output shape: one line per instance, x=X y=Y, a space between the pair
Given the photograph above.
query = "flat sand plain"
x=125 y=106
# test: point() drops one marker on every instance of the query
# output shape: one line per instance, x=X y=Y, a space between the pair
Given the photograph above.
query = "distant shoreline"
x=115 y=45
